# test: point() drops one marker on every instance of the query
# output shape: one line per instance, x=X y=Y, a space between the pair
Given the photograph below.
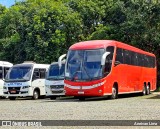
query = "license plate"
x=13 y=91
x=80 y=92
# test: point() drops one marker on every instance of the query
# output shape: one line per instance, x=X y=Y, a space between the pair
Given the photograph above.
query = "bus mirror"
x=60 y=60
x=103 y=59
x=116 y=63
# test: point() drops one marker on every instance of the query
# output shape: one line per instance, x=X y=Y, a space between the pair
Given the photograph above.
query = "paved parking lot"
x=126 y=107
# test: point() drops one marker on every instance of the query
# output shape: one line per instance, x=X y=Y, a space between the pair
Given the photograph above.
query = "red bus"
x=107 y=67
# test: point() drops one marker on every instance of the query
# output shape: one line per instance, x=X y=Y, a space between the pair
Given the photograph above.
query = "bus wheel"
x=53 y=97
x=82 y=98
x=35 y=94
x=114 y=93
x=12 y=98
x=147 y=90
x=144 y=92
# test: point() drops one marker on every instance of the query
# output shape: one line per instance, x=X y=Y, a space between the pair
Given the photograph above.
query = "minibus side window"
x=1 y=73
x=42 y=73
x=5 y=71
x=36 y=74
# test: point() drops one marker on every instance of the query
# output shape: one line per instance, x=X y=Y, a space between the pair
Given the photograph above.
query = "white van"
x=55 y=81
x=26 y=79
x=4 y=67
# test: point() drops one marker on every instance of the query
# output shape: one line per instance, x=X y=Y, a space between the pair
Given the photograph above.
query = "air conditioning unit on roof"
x=29 y=62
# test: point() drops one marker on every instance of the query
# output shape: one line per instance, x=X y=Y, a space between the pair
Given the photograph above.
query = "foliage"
x=42 y=30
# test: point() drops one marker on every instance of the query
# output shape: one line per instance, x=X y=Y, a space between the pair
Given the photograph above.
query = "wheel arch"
x=37 y=89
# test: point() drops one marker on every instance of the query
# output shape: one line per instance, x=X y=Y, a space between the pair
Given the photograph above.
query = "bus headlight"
x=96 y=85
x=24 y=87
x=48 y=86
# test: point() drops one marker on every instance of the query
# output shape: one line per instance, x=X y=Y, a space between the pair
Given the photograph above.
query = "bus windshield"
x=56 y=73
x=84 y=64
x=19 y=73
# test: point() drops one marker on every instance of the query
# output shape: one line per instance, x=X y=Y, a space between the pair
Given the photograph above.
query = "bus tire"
x=147 y=90
x=53 y=97
x=114 y=93
x=12 y=98
x=144 y=92
x=35 y=94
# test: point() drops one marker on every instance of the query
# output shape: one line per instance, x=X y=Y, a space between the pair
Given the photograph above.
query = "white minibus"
x=55 y=81
x=4 y=67
x=24 y=80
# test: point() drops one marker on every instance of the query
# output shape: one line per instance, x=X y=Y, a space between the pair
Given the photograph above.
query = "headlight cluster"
x=96 y=85
x=24 y=87
x=67 y=85
x=48 y=86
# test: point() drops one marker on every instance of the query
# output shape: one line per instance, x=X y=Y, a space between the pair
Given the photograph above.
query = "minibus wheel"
x=12 y=98
x=35 y=94
x=53 y=97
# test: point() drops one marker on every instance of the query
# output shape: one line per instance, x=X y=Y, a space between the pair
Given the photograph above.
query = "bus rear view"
x=92 y=70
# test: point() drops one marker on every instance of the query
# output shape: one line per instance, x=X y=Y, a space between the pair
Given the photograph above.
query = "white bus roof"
x=34 y=65
x=5 y=63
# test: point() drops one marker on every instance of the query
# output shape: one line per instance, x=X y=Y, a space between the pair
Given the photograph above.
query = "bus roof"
x=5 y=63
x=34 y=65
x=97 y=44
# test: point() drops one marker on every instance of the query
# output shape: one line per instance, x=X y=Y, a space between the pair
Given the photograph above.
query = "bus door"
x=1 y=80
x=108 y=67
x=120 y=71
x=38 y=79
x=3 y=72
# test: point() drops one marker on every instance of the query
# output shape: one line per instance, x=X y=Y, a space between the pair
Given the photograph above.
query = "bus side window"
x=140 y=60
x=119 y=56
x=107 y=67
x=127 y=57
x=42 y=73
x=108 y=62
x=5 y=71
x=36 y=74
x=1 y=73
x=111 y=50
x=134 y=58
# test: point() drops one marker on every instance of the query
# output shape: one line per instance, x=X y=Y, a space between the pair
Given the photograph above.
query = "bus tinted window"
x=119 y=55
x=42 y=73
x=5 y=71
x=109 y=59
x=127 y=57
x=140 y=60
x=151 y=61
x=1 y=73
x=111 y=50
x=134 y=59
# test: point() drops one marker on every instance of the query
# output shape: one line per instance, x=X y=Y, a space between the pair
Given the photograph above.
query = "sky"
x=8 y=3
